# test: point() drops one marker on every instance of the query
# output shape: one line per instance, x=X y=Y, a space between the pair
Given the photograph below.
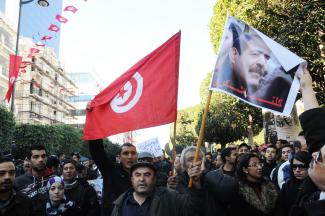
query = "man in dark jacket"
x=11 y=201
x=312 y=202
x=116 y=177
x=270 y=161
x=78 y=190
x=146 y=199
x=33 y=183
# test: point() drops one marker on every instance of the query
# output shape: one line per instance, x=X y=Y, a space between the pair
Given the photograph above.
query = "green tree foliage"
x=228 y=117
x=296 y=24
x=7 y=128
x=110 y=147
x=185 y=128
x=56 y=138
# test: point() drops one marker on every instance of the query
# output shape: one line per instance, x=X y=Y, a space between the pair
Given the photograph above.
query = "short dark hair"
x=208 y=153
x=4 y=159
x=37 y=147
x=287 y=146
x=301 y=133
x=226 y=152
x=75 y=154
x=125 y=145
x=52 y=161
x=66 y=161
x=80 y=168
x=284 y=142
x=271 y=146
x=243 y=145
x=297 y=144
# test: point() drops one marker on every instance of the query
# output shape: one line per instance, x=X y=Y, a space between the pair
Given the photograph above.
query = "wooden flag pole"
x=201 y=135
x=173 y=141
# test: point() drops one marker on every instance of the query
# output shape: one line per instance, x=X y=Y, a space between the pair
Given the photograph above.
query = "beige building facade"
x=42 y=92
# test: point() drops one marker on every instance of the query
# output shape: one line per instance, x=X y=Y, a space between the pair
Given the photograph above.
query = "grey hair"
x=185 y=151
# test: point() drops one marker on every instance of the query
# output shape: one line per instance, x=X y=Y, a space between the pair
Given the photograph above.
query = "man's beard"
x=39 y=169
x=7 y=187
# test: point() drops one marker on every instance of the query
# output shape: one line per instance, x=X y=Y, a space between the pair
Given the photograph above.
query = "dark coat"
x=115 y=179
x=313 y=124
x=221 y=194
x=288 y=196
x=85 y=197
x=35 y=189
x=20 y=205
x=167 y=202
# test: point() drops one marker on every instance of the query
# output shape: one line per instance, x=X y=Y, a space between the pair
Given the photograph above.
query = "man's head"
x=76 y=157
x=300 y=143
x=7 y=174
x=69 y=171
x=143 y=178
x=187 y=157
x=270 y=154
x=300 y=164
x=82 y=171
x=128 y=155
x=229 y=156
x=249 y=56
x=317 y=168
x=145 y=157
x=37 y=157
x=61 y=156
x=208 y=157
x=285 y=152
x=243 y=149
x=280 y=143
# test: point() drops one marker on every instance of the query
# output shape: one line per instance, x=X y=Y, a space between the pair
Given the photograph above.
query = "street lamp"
x=42 y=3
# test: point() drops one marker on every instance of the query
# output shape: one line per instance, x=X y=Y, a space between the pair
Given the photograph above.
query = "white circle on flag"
x=122 y=103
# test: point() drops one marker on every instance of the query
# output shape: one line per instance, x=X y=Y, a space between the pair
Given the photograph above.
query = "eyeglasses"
x=256 y=165
x=300 y=166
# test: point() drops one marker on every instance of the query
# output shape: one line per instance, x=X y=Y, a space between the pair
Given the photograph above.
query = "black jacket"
x=167 y=202
x=35 y=189
x=19 y=205
x=288 y=196
x=85 y=197
x=115 y=179
x=221 y=194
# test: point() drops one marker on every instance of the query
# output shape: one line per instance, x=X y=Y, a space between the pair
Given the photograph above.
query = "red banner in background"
x=14 y=65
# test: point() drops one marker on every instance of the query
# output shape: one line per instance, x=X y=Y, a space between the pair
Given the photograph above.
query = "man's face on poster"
x=251 y=65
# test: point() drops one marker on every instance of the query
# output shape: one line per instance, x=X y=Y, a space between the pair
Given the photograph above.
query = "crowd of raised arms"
x=284 y=178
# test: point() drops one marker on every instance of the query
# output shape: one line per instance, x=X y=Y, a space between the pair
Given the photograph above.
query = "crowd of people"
x=285 y=178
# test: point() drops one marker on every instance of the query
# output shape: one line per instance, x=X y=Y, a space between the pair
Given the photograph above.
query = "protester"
x=144 y=199
x=270 y=161
x=180 y=181
x=163 y=167
x=61 y=156
x=300 y=143
x=33 y=183
x=209 y=162
x=289 y=192
x=57 y=204
x=53 y=163
x=145 y=157
x=177 y=165
x=76 y=157
x=116 y=177
x=257 y=196
x=311 y=200
x=243 y=149
x=218 y=161
x=12 y=202
x=82 y=172
x=79 y=191
x=229 y=158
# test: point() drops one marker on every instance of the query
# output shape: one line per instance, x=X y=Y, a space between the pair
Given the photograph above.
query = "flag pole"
x=201 y=135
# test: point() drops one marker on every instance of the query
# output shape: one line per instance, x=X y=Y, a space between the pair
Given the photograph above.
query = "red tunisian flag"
x=144 y=96
x=14 y=65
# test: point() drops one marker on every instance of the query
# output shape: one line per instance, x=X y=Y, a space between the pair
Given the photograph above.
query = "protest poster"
x=152 y=146
x=256 y=69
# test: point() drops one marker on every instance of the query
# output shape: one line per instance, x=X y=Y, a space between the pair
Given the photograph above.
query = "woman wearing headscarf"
x=299 y=164
x=57 y=204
